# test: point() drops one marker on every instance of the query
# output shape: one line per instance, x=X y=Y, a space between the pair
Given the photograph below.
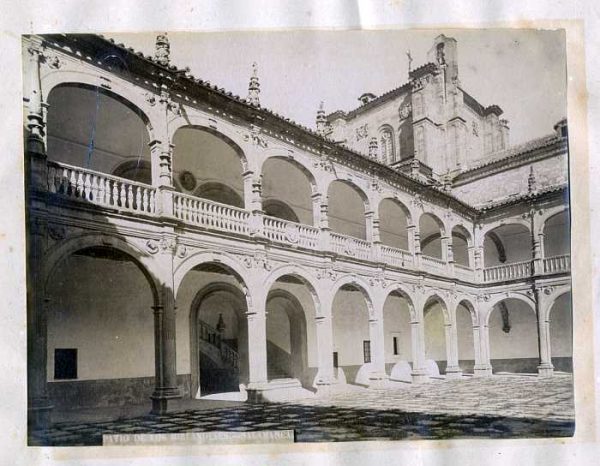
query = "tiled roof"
x=516 y=198
x=516 y=151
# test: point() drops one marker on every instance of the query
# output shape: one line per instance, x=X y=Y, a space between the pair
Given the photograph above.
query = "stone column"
x=545 y=367
x=325 y=375
x=419 y=372
x=35 y=107
x=449 y=256
x=255 y=206
x=416 y=246
x=164 y=349
x=316 y=209
x=453 y=369
x=374 y=236
x=482 y=368
x=257 y=353
x=324 y=224
x=378 y=376
x=38 y=403
x=478 y=263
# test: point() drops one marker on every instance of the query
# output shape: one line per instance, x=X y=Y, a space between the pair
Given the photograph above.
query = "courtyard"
x=502 y=406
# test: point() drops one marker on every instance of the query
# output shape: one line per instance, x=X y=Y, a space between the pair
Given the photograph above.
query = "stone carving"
x=420 y=83
x=324 y=164
x=379 y=280
x=292 y=233
x=51 y=60
x=187 y=180
x=362 y=132
x=56 y=232
x=475 y=128
x=483 y=297
x=255 y=137
x=152 y=246
x=181 y=251
x=168 y=244
x=327 y=273
x=257 y=262
x=405 y=111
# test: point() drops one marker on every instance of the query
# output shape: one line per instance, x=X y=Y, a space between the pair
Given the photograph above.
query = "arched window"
x=386 y=146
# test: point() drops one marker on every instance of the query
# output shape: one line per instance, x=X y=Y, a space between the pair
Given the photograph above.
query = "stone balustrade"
x=108 y=191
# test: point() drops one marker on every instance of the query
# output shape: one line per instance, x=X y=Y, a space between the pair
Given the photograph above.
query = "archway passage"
x=215 y=356
x=100 y=333
x=90 y=127
x=291 y=335
x=557 y=235
x=461 y=240
x=561 y=333
x=207 y=164
x=287 y=190
x=464 y=335
x=351 y=337
x=346 y=210
x=513 y=337
x=393 y=224
x=431 y=231
x=435 y=333
x=397 y=329
x=507 y=244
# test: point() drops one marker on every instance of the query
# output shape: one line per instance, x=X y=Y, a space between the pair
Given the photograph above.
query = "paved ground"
x=497 y=407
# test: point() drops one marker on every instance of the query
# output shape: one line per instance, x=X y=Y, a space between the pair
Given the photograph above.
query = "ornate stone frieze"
x=324 y=163
x=258 y=262
x=327 y=273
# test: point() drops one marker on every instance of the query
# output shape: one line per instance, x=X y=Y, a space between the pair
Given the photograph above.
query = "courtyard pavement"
x=503 y=406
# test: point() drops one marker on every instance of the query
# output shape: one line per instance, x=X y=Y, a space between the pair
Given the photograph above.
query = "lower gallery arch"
x=290 y=315
x=435 y=333
x=513 y=337
x=561 y=333
x=93 y=323
x=397 y=329
x=212 y=343
x=464 y=335
x=351 y=337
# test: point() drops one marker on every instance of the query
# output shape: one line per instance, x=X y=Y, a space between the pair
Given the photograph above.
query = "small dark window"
x=395 y=346
x=367 y=350
x=65 y=363
x=335 y=360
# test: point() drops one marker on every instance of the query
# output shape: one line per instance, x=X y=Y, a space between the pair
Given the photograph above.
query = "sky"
x=522 y=71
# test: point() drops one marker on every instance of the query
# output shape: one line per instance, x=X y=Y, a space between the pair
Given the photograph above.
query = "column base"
x=453 y=372
x=482 y=370
x=545 y=370
x=419 y=376
x=39 y=414
x=378 y=380
x=160 y=399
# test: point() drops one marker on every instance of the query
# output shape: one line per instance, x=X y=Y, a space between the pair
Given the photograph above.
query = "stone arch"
x=298 y=340
x=431 y=231
x=511 y=241
x=556 y=234
x=462 y=242
x=360 y=285
x=469 y=306
x=402 y=291
x=282 y=154
x=347 y=208
x=62 y=250
x=511 y=295
x=125 y=92
x=200 y=296
x=142 y=171
x=401 y=204
x=300 y=273
x=223 y=260
x=219 y=192
x=500 y=223
x=550 y=213
x=435 y=296
x=96 y=128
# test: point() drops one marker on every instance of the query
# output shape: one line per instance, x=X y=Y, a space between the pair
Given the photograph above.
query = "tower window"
x=65 y=363
x=395 y=346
